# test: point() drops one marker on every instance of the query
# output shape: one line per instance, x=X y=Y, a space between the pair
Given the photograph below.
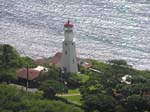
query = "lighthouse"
x=68 y=59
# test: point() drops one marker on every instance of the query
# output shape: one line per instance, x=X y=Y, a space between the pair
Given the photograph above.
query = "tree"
x=8 y=56
x=9 y=96
x=7 y=75
x=26 y=62
x=135 y=97
x=51 y=87
x=12 y=100
x=10 y=61
x=107 y=85
x=99 y=102
x=52 y=74
x=136 y=103
x=73 y=80
x=118 y=62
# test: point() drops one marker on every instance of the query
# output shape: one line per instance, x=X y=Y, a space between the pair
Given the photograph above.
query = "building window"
x=65 y=44
x=65 y=52
x=72 y=43
x=73 y=60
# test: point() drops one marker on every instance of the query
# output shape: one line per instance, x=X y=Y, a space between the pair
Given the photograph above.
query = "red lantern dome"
x=68 y=24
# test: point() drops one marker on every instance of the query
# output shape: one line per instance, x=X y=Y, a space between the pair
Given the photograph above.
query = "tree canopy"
x=105 y=92
x=14 y=100
x=10 y=61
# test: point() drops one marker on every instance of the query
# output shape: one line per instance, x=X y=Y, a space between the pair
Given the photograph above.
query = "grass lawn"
x=73 y=99
x=83 y=77
x=73 y=91
x=73 y=95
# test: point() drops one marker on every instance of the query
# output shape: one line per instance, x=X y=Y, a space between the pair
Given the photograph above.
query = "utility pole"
x=62 y=72
x=27 y=83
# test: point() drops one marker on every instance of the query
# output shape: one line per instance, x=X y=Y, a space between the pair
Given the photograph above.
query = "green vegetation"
x=51 y=87
x=13 y=100
x=73 y=91
x=93 y=91
x=10 y=61
x=105 y=92
x=52 y=74
x=83 y=77
x=9 y=58
x=75 y=99
x=73 y=96
x=73 y=81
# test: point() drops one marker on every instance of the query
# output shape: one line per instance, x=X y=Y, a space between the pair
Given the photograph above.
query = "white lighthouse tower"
x=68 y=58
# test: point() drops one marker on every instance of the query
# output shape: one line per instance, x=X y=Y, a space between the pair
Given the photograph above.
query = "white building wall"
x=68 y=34
x=69 y=59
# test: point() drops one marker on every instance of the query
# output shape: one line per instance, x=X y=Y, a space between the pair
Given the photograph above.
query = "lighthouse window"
x=65 y=44
x=72 y=43
x=73 y=61
x=65 y=52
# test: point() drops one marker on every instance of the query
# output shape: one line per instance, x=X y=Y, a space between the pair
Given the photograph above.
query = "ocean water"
x=104 y=29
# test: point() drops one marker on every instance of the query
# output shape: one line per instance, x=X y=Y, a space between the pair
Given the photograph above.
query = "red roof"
x=56 y=59
x=40 y=61
x=32 y=74
x=68 y=24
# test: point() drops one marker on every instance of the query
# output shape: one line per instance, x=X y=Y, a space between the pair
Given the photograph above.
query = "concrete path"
x=69 y=94
x=32 y=90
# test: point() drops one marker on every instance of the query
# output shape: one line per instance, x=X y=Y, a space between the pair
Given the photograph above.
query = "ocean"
x=103 y=29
